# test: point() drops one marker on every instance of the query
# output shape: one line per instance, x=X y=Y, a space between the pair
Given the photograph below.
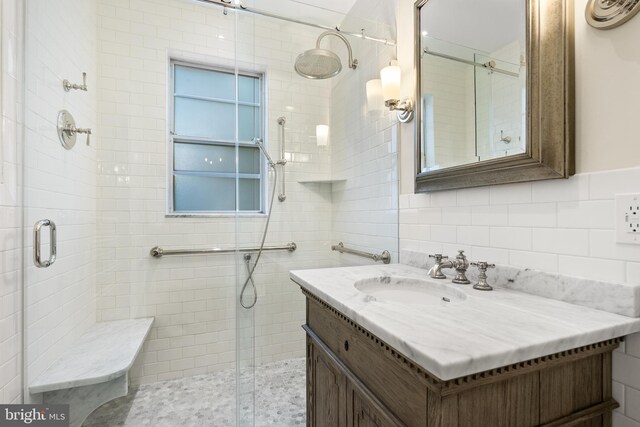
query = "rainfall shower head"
x=322 y=63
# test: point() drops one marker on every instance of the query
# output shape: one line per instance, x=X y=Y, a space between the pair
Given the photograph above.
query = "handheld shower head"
x=260 y=145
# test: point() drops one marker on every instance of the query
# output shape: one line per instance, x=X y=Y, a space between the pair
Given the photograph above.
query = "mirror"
x=484 y=115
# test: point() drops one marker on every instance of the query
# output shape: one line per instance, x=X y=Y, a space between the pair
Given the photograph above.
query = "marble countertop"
x=486 y=331
x=106 y=351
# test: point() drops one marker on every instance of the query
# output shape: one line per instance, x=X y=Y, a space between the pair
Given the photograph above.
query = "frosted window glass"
x=198 y=82
x=249 y=123
x=249 y=89
x=208 y=105
x=215 y=158
x=204 y=119
x=249 y=160
x=249 y=194
x=204 y=158
x=203 y=193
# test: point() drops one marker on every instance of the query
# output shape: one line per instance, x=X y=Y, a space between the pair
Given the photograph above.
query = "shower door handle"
x=37 y=241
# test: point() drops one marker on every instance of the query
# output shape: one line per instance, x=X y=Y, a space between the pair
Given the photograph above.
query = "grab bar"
x=283 y=161
x=158 y=252
x=385 y=256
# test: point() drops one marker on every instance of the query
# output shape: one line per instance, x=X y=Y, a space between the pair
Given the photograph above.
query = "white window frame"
x=172 y=138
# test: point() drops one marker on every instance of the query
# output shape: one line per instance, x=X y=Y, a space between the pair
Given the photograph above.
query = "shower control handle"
x=37 y=243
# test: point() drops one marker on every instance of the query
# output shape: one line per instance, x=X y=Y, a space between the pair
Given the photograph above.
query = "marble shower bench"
x=95 y=368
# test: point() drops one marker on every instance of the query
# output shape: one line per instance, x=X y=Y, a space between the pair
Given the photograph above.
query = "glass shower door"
x=251 y=195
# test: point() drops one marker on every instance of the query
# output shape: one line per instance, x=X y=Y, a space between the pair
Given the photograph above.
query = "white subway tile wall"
x=193 y=298
x=364 y=154
x=564 y=226
x=11 y=158
x=60 y=185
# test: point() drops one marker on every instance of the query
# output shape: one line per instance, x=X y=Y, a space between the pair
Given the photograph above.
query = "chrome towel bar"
x=158 y=252
x=384 y=256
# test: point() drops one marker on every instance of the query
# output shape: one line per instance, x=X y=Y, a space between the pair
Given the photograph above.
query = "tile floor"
x=209 y=400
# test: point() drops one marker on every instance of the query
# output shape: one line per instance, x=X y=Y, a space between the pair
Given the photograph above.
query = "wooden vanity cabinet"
x=356 y=379
x=335 y=397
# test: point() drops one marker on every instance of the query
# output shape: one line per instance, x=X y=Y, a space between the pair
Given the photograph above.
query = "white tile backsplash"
x=561 y=241
x=511 y=238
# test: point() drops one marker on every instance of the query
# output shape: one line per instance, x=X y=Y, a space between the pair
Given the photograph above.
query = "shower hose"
x=250 y=269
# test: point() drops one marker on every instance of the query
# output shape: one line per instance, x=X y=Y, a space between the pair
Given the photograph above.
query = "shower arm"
x=353 y=63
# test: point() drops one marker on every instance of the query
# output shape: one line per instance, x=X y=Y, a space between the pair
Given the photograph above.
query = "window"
x=215 y=115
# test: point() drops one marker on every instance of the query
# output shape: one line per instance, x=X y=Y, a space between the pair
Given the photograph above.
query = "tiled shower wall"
x=11 y=89
x=193 y=298
x=59 y=185
x=364 y=144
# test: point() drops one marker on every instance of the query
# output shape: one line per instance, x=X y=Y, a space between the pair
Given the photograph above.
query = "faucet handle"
x=438 y=257
x=483 y=265
x=482 y=284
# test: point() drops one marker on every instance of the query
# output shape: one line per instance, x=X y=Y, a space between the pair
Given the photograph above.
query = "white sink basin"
x=410 y=291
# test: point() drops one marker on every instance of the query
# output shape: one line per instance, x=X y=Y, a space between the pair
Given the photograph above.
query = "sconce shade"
x=322 y=135
x=390 y=77
x=375 y=100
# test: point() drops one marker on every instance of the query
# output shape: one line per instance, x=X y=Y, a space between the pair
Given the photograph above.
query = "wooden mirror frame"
x=550 y=107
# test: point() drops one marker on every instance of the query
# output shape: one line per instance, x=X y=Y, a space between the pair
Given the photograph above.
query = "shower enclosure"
x=161 y=204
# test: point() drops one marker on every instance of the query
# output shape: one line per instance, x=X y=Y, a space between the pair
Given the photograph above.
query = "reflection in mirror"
x=472 y=82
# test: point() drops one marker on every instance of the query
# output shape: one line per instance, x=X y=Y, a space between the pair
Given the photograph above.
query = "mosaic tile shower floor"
x=209 y=400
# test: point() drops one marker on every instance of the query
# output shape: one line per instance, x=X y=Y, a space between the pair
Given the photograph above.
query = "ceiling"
x=340 y=6
x=325 y=12
x=375 y=17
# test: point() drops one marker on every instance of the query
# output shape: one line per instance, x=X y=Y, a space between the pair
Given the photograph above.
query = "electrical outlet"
x=628 y=218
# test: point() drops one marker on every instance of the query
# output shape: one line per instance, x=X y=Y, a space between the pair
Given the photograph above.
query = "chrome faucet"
x=460 y=264
x=436 y=271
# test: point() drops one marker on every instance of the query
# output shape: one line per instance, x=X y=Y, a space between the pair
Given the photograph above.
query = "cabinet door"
x=363 y=411
x=326 y=390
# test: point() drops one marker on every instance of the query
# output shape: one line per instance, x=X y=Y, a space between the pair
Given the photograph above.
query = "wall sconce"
x=390 y=77
x=322 y=135
x=375 y=100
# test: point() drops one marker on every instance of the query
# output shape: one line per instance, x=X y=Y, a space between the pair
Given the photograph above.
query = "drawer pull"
x=346 y=345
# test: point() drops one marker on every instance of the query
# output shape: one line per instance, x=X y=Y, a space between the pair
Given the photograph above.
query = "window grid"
x=249 y=187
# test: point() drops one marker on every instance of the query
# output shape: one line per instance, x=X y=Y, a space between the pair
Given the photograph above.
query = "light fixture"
x=322 y=135
x=374 y=95
x=390 y=77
